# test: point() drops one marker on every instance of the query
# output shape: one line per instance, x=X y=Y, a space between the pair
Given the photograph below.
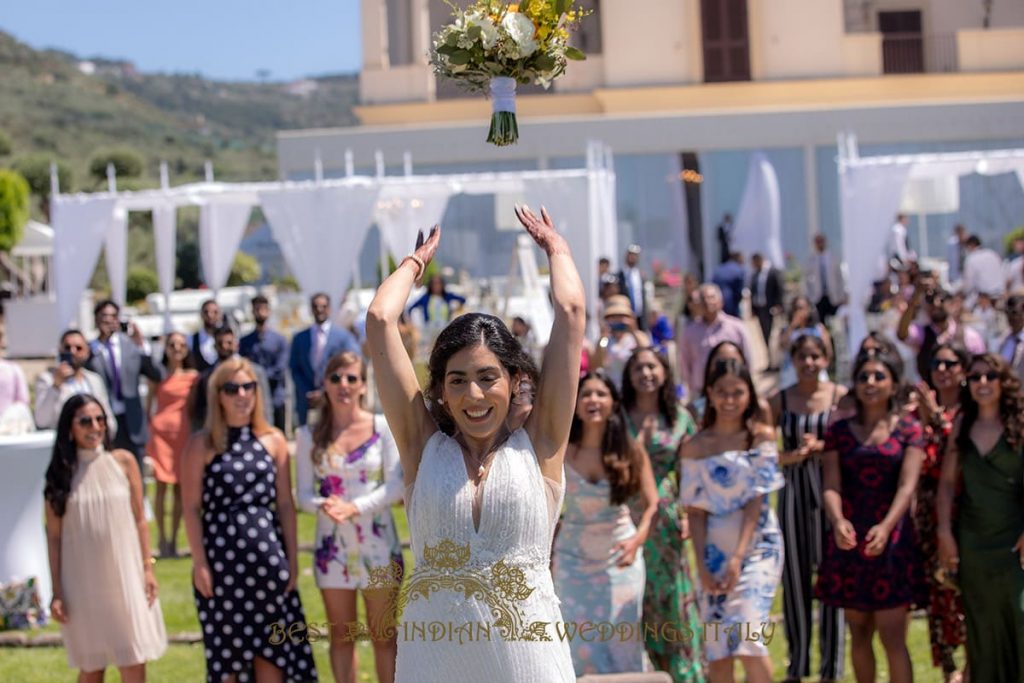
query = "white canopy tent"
x=870 y=192
x=320 y=225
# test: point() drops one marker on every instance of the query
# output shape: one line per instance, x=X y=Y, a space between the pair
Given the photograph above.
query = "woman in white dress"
x=482 y=502
x=349 y=477
x=104 y=589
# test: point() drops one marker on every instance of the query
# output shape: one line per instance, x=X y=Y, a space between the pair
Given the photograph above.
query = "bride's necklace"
x=483 y=461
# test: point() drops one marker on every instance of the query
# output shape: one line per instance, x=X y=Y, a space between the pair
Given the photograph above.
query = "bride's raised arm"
x=399 y=390
x=548 y=424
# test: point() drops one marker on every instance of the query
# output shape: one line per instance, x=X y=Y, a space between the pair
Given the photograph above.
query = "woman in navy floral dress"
x=349 y=476
x=240 y=520
x=871 y=566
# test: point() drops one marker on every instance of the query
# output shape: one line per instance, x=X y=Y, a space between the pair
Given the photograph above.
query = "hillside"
x=62 y=105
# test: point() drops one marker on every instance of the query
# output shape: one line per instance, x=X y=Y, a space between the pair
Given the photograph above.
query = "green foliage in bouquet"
x=527 y=41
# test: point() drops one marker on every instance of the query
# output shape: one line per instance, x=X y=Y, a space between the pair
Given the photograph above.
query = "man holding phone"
x=69 y=377
x=121 y=359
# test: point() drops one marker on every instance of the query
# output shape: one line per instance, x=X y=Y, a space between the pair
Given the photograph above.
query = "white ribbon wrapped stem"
x=503 y=94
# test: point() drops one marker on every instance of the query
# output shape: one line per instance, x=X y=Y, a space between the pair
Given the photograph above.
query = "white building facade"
x=684 y=91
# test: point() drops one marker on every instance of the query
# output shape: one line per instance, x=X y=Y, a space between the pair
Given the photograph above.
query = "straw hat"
x=618 y=305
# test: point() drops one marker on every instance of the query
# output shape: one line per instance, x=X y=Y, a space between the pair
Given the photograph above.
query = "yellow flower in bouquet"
x=493 y=45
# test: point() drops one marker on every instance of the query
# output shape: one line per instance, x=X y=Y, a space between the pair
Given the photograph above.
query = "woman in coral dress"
x=169 y=430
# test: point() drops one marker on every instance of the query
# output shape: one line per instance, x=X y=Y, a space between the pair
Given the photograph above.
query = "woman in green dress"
x=670 y=616
x=985 y=548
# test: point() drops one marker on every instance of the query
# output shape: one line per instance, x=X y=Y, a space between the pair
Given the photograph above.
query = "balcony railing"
x=914 y=53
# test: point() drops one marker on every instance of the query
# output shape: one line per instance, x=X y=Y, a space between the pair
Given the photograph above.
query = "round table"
x=23 y=553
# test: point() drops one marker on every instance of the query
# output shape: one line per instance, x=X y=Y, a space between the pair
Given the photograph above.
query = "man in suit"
x=631 y=283
x=121 y=361
x=824 y=281
x=202 y=344
x=731 y=278
x=226 y=344
x=1011 y=348
x=69 y=377
x=311 y=349
x=766 y=292
x=725 y=238
x=268 y=349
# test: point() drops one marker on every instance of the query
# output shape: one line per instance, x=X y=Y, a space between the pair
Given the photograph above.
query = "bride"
x=482 y=499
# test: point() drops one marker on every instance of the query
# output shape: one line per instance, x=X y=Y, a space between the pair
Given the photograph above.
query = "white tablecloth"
x=23 y=463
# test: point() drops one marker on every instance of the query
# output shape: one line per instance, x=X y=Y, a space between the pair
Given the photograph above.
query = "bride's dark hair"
x=64 y=457
x=465 y=332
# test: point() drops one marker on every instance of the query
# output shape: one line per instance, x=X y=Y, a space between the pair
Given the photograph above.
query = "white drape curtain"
x=320 y=231
x=758 y=226
x=221 y=227
x=165 y=243
x=79 y=229
x=117 y=255
x=869 y=198
x=402 y=211
x=567 y=200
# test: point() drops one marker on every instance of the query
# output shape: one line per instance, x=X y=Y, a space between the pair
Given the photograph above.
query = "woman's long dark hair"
x=64 y=458
x=465 y=332
x=619 y=453
x=666 y=394
x=812 y=312
x=323 y=432
x=188 y=362
x=1011 y=404
x=712 y=358
x=729 y=367
x=960 y=352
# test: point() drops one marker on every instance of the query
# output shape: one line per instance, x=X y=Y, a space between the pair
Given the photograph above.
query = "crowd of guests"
x=901 y=491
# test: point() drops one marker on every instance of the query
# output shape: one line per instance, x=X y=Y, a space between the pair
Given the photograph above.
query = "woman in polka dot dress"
x=240 y=521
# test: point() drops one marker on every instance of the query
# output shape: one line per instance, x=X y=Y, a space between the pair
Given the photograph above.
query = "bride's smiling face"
x=477 y=391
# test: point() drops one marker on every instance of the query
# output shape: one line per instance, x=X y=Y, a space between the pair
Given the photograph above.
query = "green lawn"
x=185 y=662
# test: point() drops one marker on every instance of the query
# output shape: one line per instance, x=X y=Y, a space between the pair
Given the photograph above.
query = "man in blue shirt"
x=731 y=277
x=268 y=349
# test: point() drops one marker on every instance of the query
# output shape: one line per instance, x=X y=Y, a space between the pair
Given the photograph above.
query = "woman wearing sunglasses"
x=871 y=566
x=985 y=464
x=240 y=522
x=104 y=591
x=937 y=404
x=349 y=476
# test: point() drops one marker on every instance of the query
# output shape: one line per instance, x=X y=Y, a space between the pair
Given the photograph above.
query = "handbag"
x=19 y=605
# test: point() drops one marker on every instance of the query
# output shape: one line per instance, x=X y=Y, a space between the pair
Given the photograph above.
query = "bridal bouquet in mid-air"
x=496 y=45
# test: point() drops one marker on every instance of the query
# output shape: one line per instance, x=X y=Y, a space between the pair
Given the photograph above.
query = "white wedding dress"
x=467 y=579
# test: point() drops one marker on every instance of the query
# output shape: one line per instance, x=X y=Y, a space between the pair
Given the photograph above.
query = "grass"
x=186 y=662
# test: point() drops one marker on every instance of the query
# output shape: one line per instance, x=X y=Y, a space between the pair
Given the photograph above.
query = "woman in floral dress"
x=728 y=470
x=661 y=422
x=598 y=556
x=349 y=475
x=872 y=567
x=937 y=408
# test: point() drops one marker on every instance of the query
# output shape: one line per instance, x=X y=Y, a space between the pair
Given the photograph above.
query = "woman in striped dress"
x=802 y=412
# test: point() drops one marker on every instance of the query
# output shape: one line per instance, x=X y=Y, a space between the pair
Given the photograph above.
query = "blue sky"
x=223 y=39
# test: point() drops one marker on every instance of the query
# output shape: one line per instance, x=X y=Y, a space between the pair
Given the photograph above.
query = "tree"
x=187 y=271
x=5 y=144
x=35 y=168
x=127 y=164
x=141 y=282
x=13 y=208
x=245 y=270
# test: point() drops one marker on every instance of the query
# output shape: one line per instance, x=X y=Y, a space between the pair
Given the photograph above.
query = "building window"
x=588 y=36
x=902 y=42
x=399 y=32
x=726 y=40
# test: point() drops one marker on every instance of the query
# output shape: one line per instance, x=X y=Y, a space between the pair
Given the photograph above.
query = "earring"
x=440 y=401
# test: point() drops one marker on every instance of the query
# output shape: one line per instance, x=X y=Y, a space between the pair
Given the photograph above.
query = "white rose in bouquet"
x=488 y=31
x=521 y=30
